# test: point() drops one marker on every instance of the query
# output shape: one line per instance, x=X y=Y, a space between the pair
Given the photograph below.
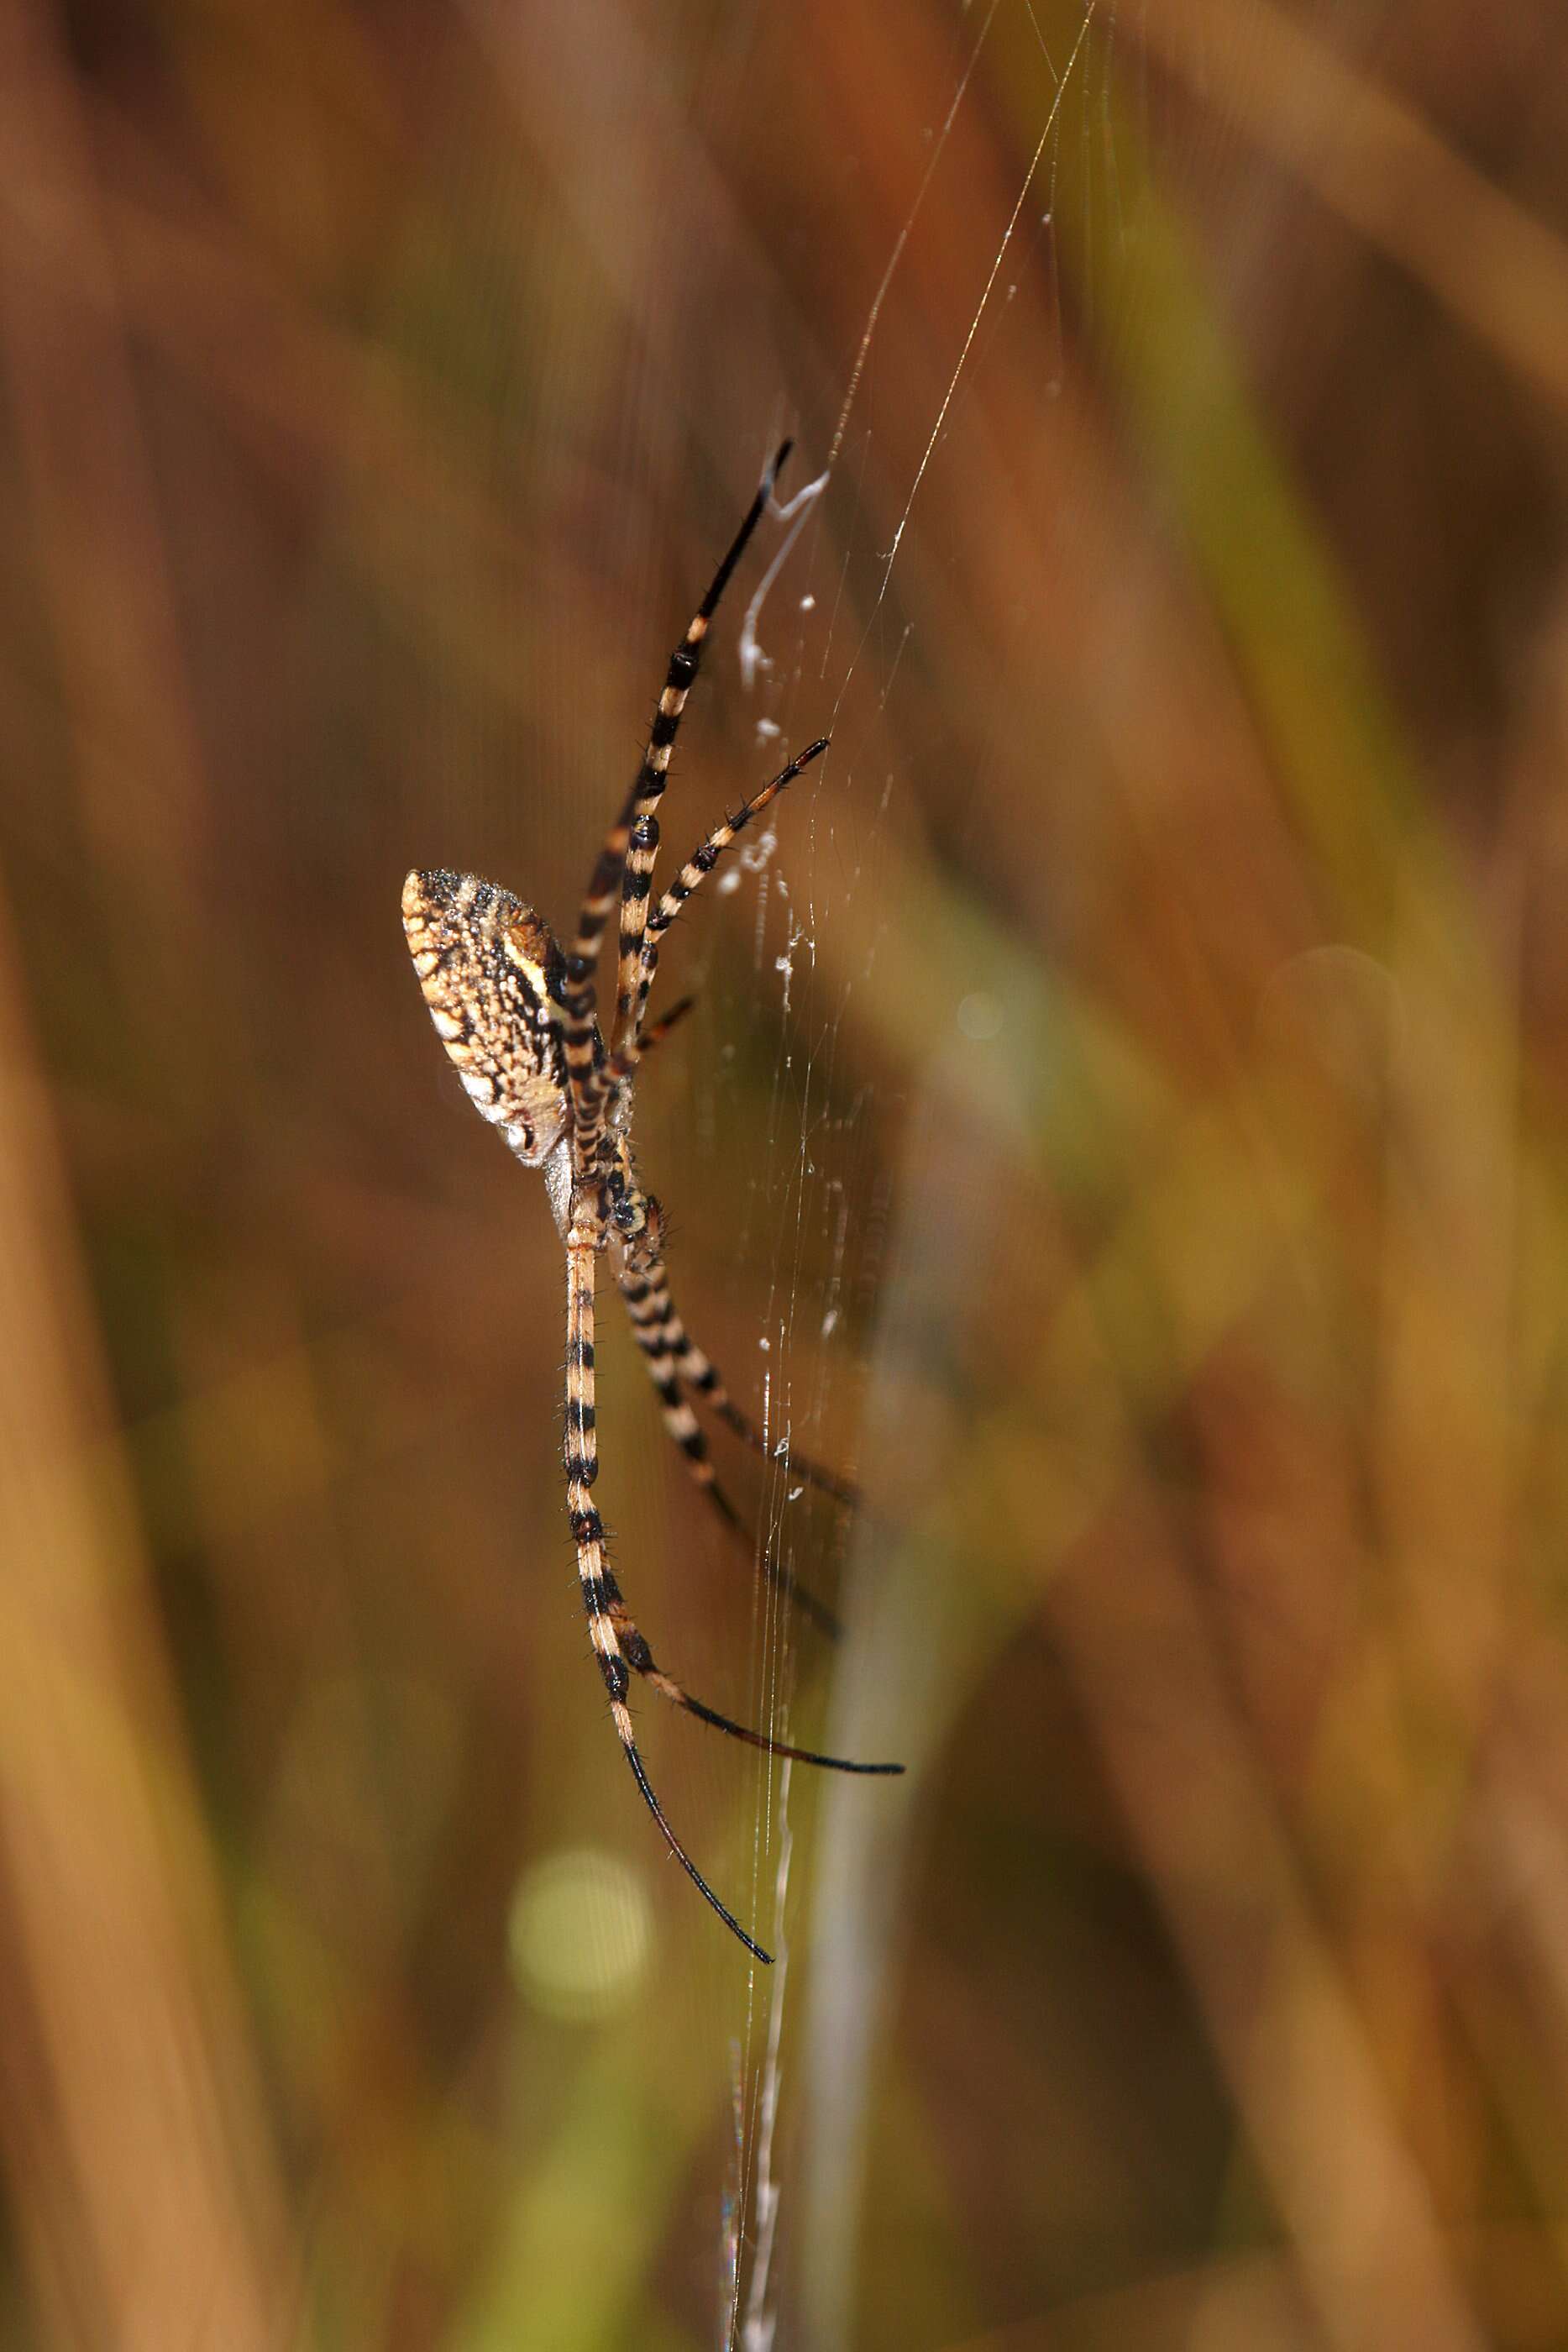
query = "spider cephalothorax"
x=520 y=1019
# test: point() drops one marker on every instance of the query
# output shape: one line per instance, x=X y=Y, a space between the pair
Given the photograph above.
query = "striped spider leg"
x=520 y=1019
x=679 y=1371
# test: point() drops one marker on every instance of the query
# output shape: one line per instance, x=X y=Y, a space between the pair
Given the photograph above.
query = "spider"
x=520 y=1019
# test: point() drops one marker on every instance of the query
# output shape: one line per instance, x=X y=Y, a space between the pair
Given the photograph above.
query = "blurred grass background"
x=1124 y=1120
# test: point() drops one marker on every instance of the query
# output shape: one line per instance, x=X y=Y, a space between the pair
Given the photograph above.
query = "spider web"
x=1136 y=1046
x=828 y=619
x=1000 y=194
x=868 y=1078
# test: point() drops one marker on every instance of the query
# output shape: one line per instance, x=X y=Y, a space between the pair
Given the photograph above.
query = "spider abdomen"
x=490 y=972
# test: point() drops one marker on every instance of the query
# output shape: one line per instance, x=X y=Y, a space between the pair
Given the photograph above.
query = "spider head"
x=491 y=975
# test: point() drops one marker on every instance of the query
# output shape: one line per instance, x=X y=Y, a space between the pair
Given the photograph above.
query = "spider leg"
x=604 y=882
x=661 y=1336
x=652 y=1317
x=633 y=844
x=702 y=861
x=601 y=1078
x=697 y=1371
x=660 y=1030
x=608 y=1624
x=640 y=1658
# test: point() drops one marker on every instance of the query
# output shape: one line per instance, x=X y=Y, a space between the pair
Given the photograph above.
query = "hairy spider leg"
x=600 y=1593
x=642 y=843
x=700 y=1373
x=701 y=862
x=624 y=865
x=701 y=1377
x=618 y=1644
x=647 y=1302
x=656 y=1034
x=604 y=882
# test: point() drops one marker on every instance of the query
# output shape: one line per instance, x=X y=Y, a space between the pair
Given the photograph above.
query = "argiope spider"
x=520 y=1019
